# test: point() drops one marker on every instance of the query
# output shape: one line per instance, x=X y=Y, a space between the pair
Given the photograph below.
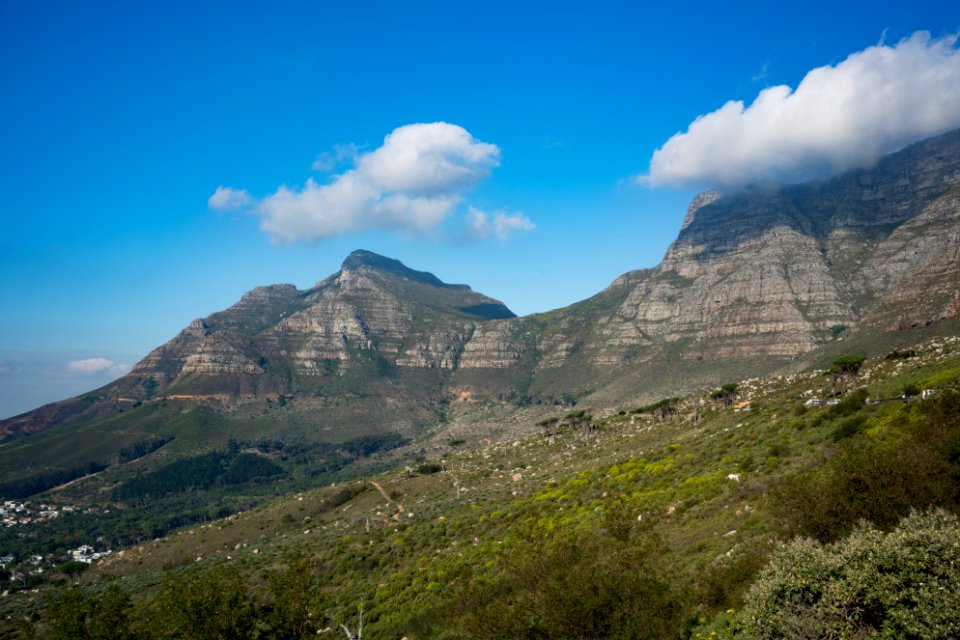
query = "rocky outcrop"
x=168 y=360
x=217 y=355
x=494 y=345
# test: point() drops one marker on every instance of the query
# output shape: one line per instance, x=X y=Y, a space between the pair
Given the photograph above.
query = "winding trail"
x=400 y=509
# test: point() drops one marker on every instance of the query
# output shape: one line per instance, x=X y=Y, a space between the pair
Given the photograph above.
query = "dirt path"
x=400 y=509
x=59 y=487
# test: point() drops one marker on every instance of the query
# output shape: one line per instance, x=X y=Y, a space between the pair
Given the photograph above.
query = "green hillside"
x=649 y=522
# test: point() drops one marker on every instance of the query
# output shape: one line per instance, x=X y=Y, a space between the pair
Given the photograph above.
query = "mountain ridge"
x=754 y=280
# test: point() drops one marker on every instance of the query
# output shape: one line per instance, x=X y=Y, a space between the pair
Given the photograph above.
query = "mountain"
x=348 y=341
x=754 y=281
x=761 y=277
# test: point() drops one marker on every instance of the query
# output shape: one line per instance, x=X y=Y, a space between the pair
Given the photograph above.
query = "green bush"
x=296 y=596
x=849 y=405
x=81 y=614
x=900 y=355
x=724 y=582
x=879 y=479
x=429 y=467
x=577 y=586
x=904 y=584
x=206 y=605
x=849 y=427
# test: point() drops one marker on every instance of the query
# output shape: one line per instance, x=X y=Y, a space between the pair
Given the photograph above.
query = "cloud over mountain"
x=97 y=367
x=839 y=118
x=410 y=184
x=480 y=225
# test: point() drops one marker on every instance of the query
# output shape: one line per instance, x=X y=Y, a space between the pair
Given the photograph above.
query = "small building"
x=928 y=393
x=83 y=553
x=86 y=553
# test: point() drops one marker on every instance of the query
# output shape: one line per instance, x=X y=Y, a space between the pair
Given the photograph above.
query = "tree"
x=73 y=568
x=726 y=393
x=845 y=370
x=549 y=425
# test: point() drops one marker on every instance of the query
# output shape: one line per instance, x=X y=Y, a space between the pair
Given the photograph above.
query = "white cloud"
x=428 y=159
x=481 y=225
x=97 y=367
x=840 y=117
x=329 y=160
x=409 y=184
x=229 y=199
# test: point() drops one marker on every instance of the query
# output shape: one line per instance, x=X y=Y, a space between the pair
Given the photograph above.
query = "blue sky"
x=120 y=122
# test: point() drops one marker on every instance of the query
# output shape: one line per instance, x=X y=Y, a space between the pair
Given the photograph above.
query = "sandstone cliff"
x=773 y=273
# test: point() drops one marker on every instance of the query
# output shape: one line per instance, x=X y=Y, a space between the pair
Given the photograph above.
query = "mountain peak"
x=362 y=259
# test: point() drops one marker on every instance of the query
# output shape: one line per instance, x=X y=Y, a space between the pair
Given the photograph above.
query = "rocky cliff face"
x=762 y=277
x=774 y=273
x=374 y=307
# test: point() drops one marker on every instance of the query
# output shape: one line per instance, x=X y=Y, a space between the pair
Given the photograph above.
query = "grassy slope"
x=674 y=476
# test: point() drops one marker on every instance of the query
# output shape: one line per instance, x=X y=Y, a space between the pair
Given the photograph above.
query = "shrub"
x=429 y=467
x=849 y=427
x=900 y=355
x=849 y=405
x=878 y=480
x=341 y=497
x=725 y=394
x=295 y=592
x=905 y=584
x=81 y=614
x=577 y=586
x=723 y=583
x=204 y=605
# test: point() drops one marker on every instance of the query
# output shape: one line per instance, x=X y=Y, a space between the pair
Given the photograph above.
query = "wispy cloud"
x=337 y=157
x=97 y=367
x=839 y=117
x=762 y=74
x=229 y=199
x=550 y=144
x=480 y=225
